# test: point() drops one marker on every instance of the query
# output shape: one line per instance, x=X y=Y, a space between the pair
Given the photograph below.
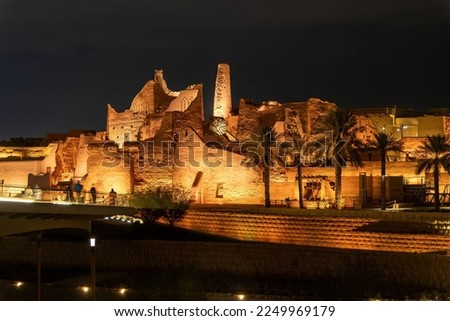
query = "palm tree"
x=259 y=154
x=338 y=127
x=267 y=136
x=266 y=159
x=299 y=143
x=436 y=154
x=384 y=143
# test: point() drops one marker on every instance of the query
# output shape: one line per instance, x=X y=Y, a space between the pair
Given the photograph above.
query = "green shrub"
x=155 y=204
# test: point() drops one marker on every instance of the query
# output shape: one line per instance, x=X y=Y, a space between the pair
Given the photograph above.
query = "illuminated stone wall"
x=152 y=165
x=119 y=157
x=381 y=121
x=192 y=117
x=154 y=98
x=213 y=175
x=66 y=159
x=251 y=116
x=20 y=153
x=16 y=173
x=107 y=168
x=431 y=125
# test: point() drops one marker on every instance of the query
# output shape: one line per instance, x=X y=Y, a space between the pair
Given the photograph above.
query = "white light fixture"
x=92 y=241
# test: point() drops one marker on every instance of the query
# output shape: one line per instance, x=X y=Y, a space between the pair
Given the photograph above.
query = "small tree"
x=259 y=152
x=339 y=127
x=168 y=205
x=435 y=152
x=266 y=163
x=384 y=143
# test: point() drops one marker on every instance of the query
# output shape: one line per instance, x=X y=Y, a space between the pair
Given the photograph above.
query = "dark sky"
x=61 y=62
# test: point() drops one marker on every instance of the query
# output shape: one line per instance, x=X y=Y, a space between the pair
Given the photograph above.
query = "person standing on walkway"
x=112 y=197
x=77 y=189
x=93 y=192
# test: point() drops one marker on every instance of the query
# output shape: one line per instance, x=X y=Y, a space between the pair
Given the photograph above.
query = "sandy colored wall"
x=16 y=172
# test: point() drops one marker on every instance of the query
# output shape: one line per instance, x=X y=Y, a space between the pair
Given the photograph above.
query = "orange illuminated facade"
x=163 y=141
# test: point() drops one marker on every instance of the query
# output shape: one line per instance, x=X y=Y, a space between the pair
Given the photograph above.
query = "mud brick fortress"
x=164 y=141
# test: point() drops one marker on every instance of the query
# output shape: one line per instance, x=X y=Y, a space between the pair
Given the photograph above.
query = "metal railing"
x=65 y=195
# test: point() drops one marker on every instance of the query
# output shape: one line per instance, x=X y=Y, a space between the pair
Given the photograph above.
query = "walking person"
x=69 y=194
x=93 y=192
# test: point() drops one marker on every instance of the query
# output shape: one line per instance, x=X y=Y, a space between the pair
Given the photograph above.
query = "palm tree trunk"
x=383 y=180
x=266 y=178
x=437 y=201
x=300 y=182
x=338 y=185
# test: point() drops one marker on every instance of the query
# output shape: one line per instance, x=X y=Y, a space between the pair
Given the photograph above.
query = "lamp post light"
x=401 y=129
x=93 y=281
x=38 y=266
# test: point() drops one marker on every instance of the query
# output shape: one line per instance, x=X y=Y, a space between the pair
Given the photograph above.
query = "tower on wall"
x=222 y=93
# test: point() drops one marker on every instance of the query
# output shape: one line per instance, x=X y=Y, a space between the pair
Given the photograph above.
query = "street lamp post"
x=38 y=266
x=93 y=281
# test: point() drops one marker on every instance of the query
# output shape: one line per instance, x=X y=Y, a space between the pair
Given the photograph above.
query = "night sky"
x=61 y=62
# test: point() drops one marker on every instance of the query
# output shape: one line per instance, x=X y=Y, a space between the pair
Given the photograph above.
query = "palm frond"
x=434 y=150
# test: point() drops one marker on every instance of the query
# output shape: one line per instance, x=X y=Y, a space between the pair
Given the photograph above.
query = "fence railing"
x=37 y=193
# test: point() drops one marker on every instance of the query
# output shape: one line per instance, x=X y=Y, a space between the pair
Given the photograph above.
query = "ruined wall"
x=213 y=175
x=232 y=125
x=383 y=121
x=316 y=108
x=253 y=117
x=184 y=100
x=144 y=101
x=248 y=122
x=66 y=159
x=284 y=116
x=108 y=167
x=83 y=153
x=410 y=145
x=367 y=128
x=192 y=117
x=20 y=153
x=151 y=127
x=125 y=126
x=15 y=173
x=152 y=165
